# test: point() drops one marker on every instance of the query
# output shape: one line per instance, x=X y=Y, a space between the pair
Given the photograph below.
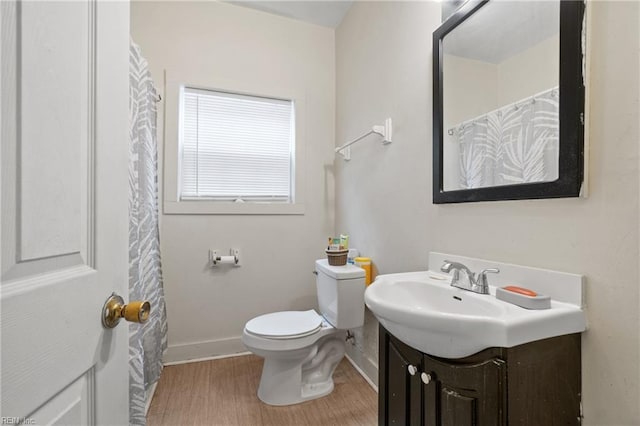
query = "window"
x=236 y=147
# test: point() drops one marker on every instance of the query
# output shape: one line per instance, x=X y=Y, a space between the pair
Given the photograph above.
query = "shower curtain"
x=515 y=144
x=147 y=341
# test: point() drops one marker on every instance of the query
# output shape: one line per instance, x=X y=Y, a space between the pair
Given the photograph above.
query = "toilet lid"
x=285 y=325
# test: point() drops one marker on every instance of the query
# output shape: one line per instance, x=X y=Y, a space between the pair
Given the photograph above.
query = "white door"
x=64 y=89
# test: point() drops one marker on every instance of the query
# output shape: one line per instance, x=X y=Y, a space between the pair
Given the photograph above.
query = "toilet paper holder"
x=216 y=259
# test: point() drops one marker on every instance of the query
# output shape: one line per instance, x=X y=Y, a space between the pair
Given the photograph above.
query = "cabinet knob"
x=412 y=369
x=426 y=378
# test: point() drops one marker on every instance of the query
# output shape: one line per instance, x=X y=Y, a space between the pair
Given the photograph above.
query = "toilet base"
x=280 y=395
x=288 y=381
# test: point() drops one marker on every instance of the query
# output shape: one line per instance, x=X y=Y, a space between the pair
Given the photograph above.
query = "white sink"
x=425 y=312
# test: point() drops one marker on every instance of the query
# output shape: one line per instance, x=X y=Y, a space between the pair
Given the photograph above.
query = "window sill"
x=231 y=208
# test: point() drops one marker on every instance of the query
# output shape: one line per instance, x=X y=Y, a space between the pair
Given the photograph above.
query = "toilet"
x=301 y=349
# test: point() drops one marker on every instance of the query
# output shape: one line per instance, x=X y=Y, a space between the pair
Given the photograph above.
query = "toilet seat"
x=285 y=325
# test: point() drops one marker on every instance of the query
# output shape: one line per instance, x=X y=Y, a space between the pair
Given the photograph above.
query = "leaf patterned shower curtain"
x=147 y=341
x=515 y=144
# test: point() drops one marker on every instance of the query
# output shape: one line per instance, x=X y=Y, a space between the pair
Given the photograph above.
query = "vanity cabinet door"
x=464 y=394
x=400 y=387
x=544 y=384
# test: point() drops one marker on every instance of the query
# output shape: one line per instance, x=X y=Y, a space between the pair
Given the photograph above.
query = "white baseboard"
x=363 y=365
x=201 y=351
x=362 y=373
x=207 y=358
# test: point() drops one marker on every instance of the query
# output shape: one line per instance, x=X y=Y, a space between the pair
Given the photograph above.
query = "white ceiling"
x=325 y=13
x=497 y=31
x=500 y=29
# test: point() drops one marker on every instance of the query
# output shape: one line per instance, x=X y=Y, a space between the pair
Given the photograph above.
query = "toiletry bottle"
x=364 y=263
x=353 y=253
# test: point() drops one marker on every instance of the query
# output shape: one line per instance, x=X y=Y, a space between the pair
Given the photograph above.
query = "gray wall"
x=383 y=195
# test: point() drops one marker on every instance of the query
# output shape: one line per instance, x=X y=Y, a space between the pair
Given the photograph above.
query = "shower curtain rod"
x=516 y=104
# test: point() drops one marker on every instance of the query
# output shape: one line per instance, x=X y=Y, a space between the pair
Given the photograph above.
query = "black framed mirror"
x=508 y=102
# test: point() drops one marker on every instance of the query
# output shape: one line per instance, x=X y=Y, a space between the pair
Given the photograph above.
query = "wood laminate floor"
x=222 y=392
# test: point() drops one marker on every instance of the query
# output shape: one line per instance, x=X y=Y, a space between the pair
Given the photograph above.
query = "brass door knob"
x=115 y=308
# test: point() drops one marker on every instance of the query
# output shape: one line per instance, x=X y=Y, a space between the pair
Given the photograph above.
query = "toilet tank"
x=340 y=294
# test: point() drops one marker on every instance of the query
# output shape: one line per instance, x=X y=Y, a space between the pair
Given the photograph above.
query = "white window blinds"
x=236 y=147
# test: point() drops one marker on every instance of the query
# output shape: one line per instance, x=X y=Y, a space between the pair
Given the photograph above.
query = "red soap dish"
x=523 y=297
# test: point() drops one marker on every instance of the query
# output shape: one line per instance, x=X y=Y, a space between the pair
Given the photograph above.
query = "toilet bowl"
x=301 y=349
x=298 y=367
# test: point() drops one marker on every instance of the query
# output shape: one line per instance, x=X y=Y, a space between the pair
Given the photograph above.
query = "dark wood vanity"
x=535 y=384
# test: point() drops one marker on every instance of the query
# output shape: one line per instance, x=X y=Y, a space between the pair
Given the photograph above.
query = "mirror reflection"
x=501 y=96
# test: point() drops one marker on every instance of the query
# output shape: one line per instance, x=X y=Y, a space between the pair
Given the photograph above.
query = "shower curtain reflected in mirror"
x=515 y=144
x=147 y=341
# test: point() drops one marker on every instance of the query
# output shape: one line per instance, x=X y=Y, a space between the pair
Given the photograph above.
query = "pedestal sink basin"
x=425 y=312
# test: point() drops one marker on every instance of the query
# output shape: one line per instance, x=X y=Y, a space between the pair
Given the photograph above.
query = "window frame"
x=172 y=204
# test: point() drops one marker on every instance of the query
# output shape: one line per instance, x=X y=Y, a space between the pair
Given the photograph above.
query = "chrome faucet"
x=477 y=285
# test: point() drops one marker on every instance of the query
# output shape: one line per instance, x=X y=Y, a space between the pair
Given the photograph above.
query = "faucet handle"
x=482 y=281
x=482 y=277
